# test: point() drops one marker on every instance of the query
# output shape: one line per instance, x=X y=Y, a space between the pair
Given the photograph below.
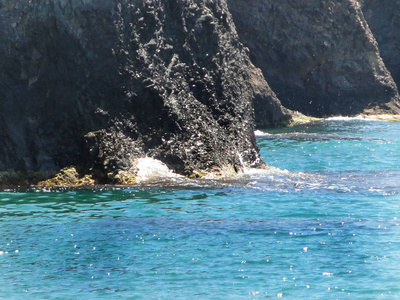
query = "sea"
x=321 y=223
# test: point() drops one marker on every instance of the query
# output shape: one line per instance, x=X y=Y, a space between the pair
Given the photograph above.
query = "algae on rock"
x=67 y=177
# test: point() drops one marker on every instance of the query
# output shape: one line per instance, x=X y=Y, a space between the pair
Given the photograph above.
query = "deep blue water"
x=325 y=225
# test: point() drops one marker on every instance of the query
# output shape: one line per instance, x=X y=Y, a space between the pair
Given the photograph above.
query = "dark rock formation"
x=319 y=56
x=268 y=110
x=98 y=84
x=383 y=17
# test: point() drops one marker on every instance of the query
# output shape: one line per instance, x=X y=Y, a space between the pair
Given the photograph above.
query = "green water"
x=327 y=227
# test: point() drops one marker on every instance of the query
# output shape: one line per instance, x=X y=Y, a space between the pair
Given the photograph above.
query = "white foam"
x=362 y=118
x=344 y=118
x=259 y=133
x=264 y=172
x=151 y=169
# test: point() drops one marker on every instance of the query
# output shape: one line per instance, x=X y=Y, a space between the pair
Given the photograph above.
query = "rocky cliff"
x=99 y=84
x=319 y=56
x=383 y=17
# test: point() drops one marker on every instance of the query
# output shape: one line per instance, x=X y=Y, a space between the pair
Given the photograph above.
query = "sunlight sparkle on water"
x=311 y=227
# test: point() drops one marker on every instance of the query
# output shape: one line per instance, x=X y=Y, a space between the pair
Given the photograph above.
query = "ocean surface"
x=322 y=223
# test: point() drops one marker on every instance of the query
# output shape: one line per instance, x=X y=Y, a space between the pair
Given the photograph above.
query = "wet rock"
x=68 y=177
x=99 y=84
x=319 y=56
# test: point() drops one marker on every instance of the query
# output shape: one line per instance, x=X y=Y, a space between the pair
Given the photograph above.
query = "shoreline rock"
x=67 y=177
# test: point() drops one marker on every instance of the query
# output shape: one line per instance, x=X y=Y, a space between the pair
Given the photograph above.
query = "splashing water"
x=151 y=170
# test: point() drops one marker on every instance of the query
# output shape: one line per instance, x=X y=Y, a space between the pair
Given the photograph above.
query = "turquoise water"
x=325 y=225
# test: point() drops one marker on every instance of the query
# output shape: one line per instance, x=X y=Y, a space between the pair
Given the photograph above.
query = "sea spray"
x=151 y=170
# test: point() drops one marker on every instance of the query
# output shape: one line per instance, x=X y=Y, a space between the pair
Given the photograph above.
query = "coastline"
x=299 y=118
x=150 y=170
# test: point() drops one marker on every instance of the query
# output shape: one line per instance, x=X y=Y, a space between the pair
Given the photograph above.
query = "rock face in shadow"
x=319 y=56
x=383 y=17
x=268 y=111
x=98 y=84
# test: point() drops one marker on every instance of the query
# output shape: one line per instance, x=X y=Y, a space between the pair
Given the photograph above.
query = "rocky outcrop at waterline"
x=319 y=56
x=383 y=18
x=99 y=84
